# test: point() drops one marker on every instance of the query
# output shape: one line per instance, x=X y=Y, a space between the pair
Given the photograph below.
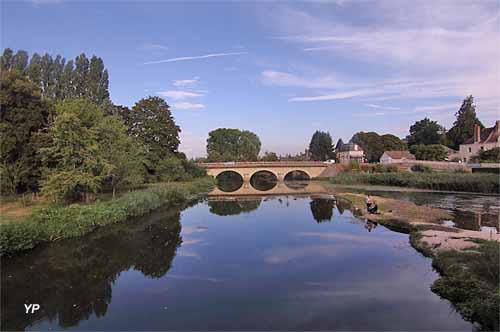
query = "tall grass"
x=470 y=280
x=58 y=222
x=481 y=183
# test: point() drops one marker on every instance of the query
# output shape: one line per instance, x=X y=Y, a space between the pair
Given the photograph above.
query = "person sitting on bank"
x=371 y=205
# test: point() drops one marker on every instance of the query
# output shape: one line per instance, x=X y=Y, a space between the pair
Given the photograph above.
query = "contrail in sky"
x=185 y=58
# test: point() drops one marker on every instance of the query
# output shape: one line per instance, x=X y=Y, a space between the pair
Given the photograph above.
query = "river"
x=290 y=261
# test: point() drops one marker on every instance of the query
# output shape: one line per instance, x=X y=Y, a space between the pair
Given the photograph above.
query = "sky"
x=280 y=69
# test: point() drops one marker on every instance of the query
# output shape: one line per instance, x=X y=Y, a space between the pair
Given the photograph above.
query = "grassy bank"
x=469 y=278
x=481 y=183
x=58 y=222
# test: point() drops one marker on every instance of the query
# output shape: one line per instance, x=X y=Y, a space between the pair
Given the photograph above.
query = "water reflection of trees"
x=322 y=209
x=263 y=181
x=229 y=181
x=234 y=207
x=72 y=279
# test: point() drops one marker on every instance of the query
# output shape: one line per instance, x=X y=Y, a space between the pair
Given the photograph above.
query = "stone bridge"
x=280 y=169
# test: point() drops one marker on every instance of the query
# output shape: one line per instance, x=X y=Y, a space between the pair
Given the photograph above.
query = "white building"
x=389 y=157
x=349 y=152
x=483 y=139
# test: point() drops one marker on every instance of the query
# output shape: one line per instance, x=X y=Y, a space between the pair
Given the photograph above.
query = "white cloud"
x=179 y=94
x=338 y=95
x=196 y=57
x=279 y=78
x=441 y=48
x=154 y=47
x=189 y=82
x=382 y=107
x=188 y=106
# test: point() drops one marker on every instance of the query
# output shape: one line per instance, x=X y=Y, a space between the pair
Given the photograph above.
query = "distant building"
x=389 y=157
x=483 y=139
x=349 y=152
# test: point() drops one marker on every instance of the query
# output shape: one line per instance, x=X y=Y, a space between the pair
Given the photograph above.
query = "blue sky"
x=280 y=69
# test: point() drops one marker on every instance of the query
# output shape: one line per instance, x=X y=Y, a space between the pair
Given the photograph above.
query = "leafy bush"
x=380 y=168
x=487 y=156
x=58 y=222
x=435 y=152
x=471 y=182
x=421 y=168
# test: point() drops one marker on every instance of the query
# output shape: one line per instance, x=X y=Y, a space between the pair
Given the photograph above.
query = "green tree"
x=374 y=145
x=463 y=127
x=20 y=60
x=151 y=121
x=436 y=152
x=226 y=144
x=321 y=146
x=6 y=59
x=488 y=156
x=269 y=156
x=76 y=164
x=23 y=116
x=370 y=143
x=425 y=131
x=124 y=154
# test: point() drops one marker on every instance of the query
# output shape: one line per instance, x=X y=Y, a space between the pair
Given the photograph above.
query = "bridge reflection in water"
x=278 y=188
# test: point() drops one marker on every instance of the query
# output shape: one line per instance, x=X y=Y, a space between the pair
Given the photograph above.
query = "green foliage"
x=488 y=156
x=58 y=79
x=380 y=168
x=58 y=222
x=421 y=168
x=463 y=127
x=477 y=182
x=24 y=116
x=75 y=160
x=270 y=156
x=227 y=144
x=151 y=121
x=470 y=280
x=321 y=146
x=374 y=145
x=425 y=132
x=436 y=152
x=125 y=154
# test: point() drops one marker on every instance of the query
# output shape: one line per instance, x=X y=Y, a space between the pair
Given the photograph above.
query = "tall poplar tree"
x=463 y=127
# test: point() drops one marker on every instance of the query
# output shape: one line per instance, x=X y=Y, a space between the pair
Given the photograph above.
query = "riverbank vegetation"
x=65 y=145
x=66 y=221
x=469 y=274
x=452 y=181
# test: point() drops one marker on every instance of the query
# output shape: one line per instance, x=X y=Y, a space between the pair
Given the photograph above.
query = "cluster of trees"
x=58 y=79
x=74 y=146
x=227 y=144
x=374 y=144
x=321 y=146
x=428 y=140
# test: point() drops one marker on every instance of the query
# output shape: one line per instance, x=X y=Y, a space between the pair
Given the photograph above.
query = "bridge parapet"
x=246 y=164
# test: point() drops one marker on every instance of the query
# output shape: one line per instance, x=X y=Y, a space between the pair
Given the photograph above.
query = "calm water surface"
x=230 y=263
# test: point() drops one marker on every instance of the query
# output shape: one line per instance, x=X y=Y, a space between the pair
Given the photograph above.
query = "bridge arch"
x=270 y=179
x=229 y=180
x=304 y=175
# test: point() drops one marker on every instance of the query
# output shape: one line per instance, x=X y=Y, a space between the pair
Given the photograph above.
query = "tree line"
x=59 y=79
x=427 y=139
x=71 y=146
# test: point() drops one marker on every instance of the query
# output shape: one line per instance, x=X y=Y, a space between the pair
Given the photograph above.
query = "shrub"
x=58 y=222
x=421 y=168
x=470 y=182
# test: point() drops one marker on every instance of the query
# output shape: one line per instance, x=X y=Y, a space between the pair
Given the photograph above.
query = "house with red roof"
x=483 y=139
